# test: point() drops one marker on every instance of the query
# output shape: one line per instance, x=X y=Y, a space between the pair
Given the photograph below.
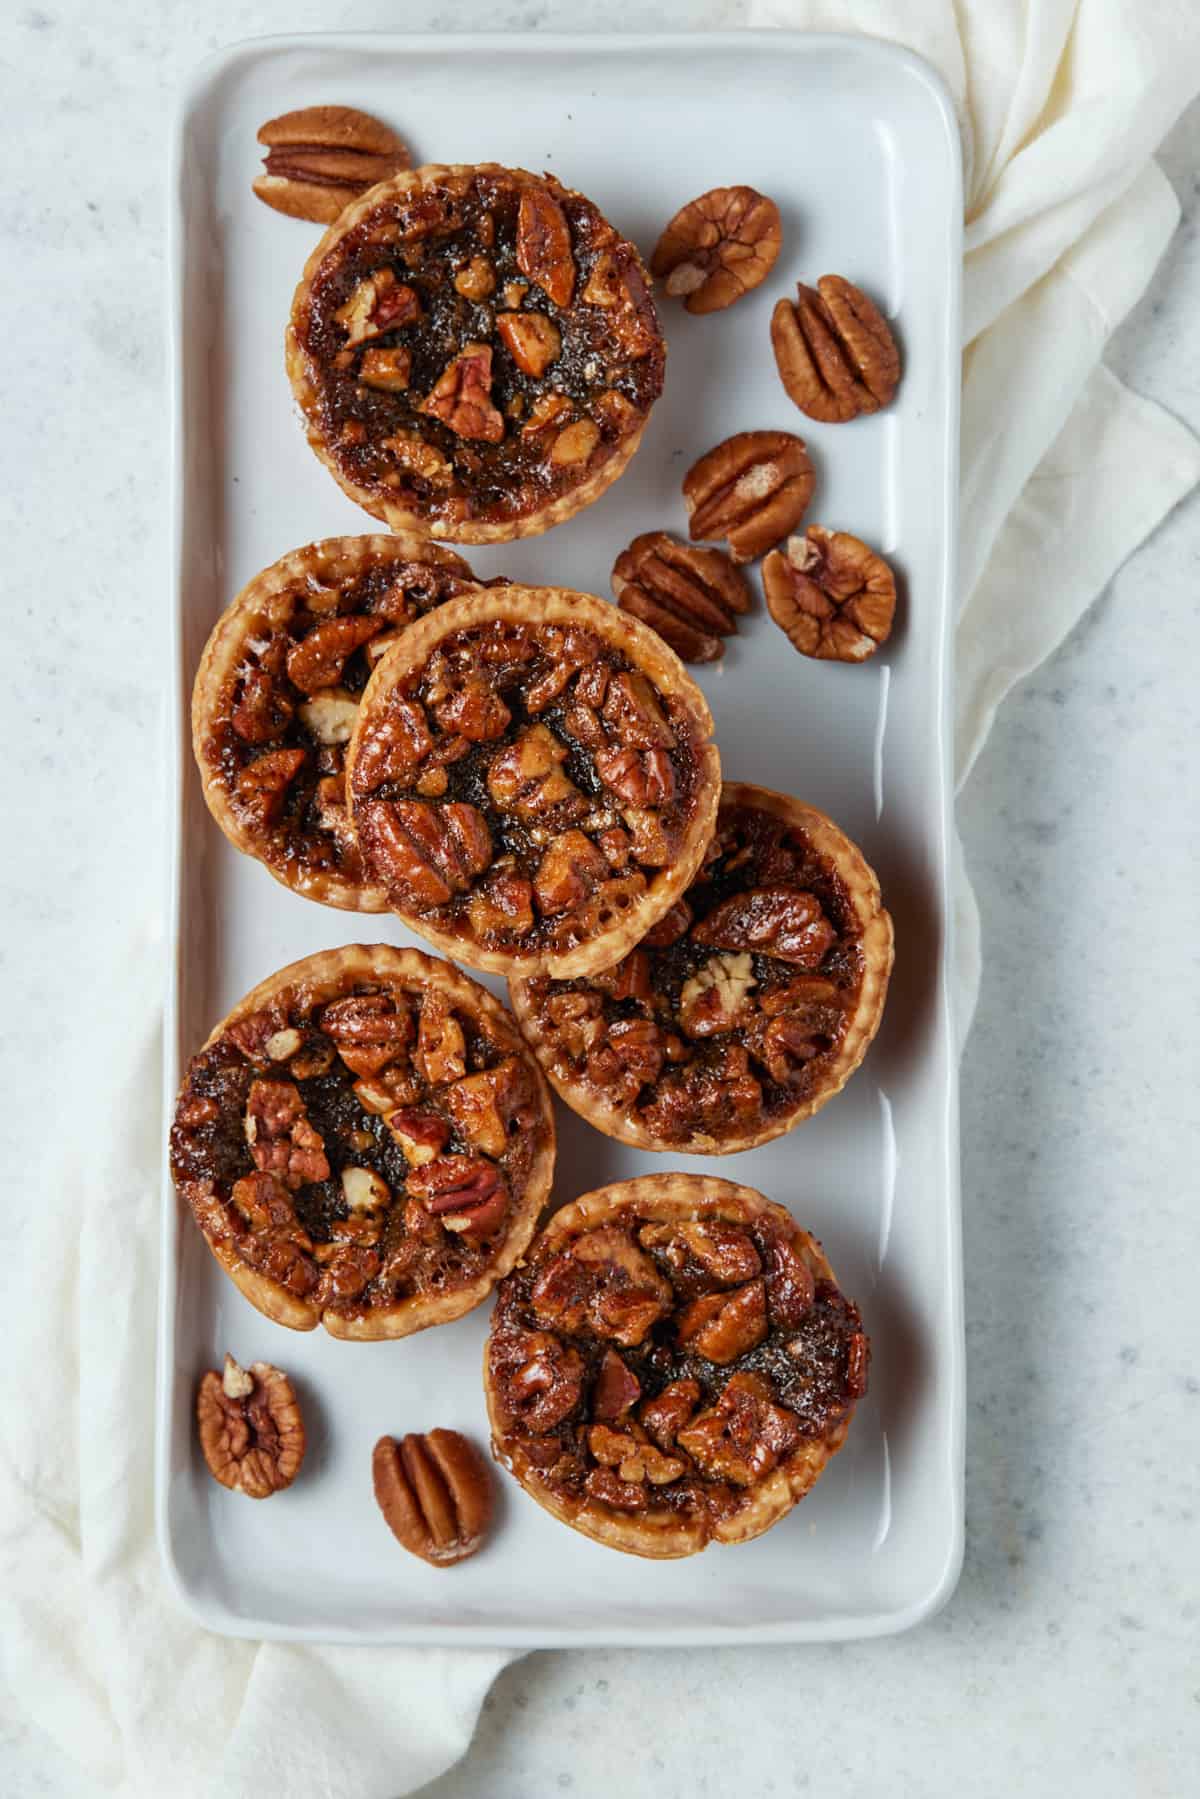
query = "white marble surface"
x=1067 y=1660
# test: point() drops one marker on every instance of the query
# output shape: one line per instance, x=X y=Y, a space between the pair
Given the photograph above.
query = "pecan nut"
x=435 y=1493
x=251 y=1431
x=692 y=596
x=718 y=248
x=722 y=1326
x=427 y=852
x=322 y=157
x=544 y=244
x=752 y=489
x=772 y=921
x=834 y=350
x=462 y=396
x=833 y=598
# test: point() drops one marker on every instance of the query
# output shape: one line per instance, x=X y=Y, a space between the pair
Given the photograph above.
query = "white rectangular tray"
x=857 y=143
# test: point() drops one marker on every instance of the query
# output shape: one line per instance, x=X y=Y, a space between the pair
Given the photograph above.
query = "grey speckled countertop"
x=1067 y=1660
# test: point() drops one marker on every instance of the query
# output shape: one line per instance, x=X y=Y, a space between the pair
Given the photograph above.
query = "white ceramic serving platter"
x=857 y=143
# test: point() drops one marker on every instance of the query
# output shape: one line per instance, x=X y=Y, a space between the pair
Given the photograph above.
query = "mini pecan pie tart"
x=531 y=779
x=475 y=352
x=672 y=1364
x=745 y=1008
x=365 y=1143
x=277 y=693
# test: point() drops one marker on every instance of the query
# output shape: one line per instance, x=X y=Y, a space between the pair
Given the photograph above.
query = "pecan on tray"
x=435 y=1493
x=833 y=597
x=751 y=489
x=322 y=157
x=691 y=595
x=835 y=351
x=718 y=247
x=251 y=1431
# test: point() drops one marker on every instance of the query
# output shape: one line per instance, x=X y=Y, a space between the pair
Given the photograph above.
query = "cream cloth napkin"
x=1063 y=473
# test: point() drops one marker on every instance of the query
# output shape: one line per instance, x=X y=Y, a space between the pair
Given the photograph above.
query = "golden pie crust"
x=365 y=1143
x=325 y=612
x=533 y=779
x=648 y=1056
x=475 y=352
x=672 y=1364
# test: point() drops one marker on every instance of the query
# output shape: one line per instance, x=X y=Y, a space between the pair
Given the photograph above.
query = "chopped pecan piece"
x=717 y=997
x=607 y=1486
x=503 y=906
x=633 y=1459
x=434 y=1490
x=744 y=1435
x=578 y=1021
x=723 y=1251
x=639 y=777
x=574 y=443
x=379 y=303
x=541 y=1378
x=318 y=659
x=752 y=489
x=723 y=1326
x=474 y=710
x=421 y=1135
x=531 y=339
x=544 y=244
x=330 y=717
x=692 y=596
x=833 y=597
x=630 y=979
x=637 y=1043
x=775 y=921
x=281 y=1139
x=790 y=1284
x=632 y=710
x=527 y=778
x=262 y=785
x=663 y=1418
x=369 y=1029
x=462 y=396
x=617 y=1389
x=387 y=371
x=568 y=873
x=365 y=1191
x=606 y=1282
x=835 y=352
x=718 y=248
x=476 y=280
x=251 y=1430
x=395 y=748
x=466 y=1194
x=262 y=711
x=483 y=1106
x=441 y=1047
x=414 y=456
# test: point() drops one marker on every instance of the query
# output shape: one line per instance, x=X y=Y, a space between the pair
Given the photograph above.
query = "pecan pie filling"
x=725 y=1022
x=362 y=1151
x=668 y=1360
x=525 y=789
x=471 y=345
x=278 y=692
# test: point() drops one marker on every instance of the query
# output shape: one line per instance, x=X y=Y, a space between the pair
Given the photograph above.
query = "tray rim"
x=195 y=89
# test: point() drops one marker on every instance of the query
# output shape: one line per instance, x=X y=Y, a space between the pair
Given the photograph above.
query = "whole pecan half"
x=718 y=247
x=752 y=489
x=835 y=353
x=322 y=157
x=833 y=597
x=692 y=596
x=251 y=1431
x=435 y=1492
